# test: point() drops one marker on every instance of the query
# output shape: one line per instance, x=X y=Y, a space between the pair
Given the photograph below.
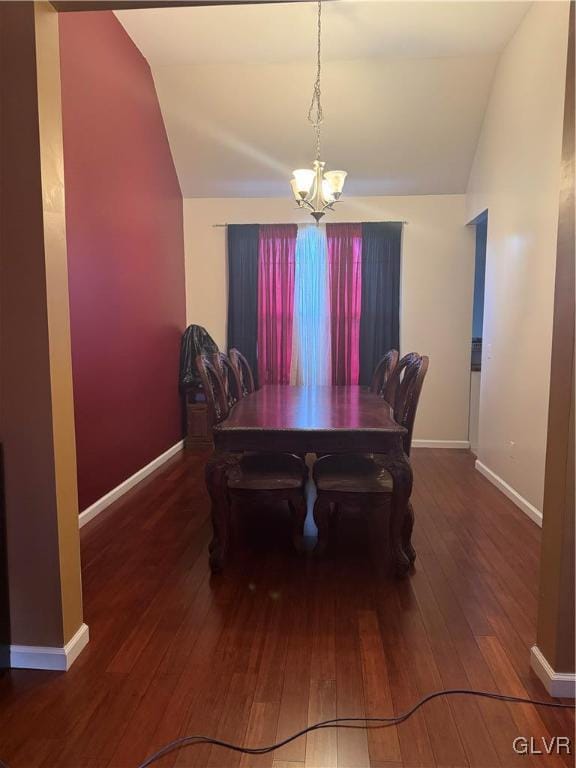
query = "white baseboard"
x=529 y=509
x=58 y=659
x=94 y=509
x=462 y=444
x=560 y=685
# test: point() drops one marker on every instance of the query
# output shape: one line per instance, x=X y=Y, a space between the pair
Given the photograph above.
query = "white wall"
x=474 y=411
x=437 y=284
x=516 y=175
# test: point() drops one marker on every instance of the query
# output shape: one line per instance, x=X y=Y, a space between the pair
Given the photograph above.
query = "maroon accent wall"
x=125 y=253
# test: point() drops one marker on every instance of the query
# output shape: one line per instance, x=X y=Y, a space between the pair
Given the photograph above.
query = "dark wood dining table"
x=323 y=419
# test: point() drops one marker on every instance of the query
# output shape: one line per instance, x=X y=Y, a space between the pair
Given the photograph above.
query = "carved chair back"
x=245 y=374
x=208 y=367
x=231 y=379
x=384 y=371
x=403 y=392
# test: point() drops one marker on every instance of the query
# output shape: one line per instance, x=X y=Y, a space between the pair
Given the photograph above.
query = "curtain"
x=380 y=316
x=276 y=262
x=311 y=340
x=243 y=242
x=345 y=268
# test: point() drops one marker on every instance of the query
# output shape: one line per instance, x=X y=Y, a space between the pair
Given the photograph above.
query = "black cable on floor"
x=346 y=722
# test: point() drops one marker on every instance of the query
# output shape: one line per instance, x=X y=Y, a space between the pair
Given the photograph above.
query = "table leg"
x=298 y=510
x=216 y=475
x=322 y=520
x=407 y=533
x=402 y=515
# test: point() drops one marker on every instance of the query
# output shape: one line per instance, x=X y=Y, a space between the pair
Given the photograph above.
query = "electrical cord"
x=345 y=722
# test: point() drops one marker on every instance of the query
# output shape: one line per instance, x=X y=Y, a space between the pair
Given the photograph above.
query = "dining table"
x=310 y=419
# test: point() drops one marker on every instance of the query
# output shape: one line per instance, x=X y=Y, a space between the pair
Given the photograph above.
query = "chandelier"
x=315 y=189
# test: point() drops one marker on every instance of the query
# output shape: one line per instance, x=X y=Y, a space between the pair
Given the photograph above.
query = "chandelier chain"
x=315 y=190
x=315 y=113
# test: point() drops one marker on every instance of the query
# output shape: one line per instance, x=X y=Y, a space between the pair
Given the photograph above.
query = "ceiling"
x=405 y=86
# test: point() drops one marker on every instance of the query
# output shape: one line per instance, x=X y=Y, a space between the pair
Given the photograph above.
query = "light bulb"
x=336 y=181
x=304 y=179
x=327 y=192
x=294 y=186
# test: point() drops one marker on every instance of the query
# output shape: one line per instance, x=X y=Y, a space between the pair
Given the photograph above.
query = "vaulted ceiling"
x=405 y=86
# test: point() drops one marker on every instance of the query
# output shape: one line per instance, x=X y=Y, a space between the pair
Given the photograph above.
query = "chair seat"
x=268 y=472
x=354 y=473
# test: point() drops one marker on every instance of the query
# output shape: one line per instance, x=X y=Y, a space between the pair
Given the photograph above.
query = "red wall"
x=125 y=253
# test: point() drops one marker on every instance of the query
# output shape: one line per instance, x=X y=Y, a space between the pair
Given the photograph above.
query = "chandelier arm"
x=307 y=204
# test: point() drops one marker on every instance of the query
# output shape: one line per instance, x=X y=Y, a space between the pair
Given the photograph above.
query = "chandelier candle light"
x=313 y=188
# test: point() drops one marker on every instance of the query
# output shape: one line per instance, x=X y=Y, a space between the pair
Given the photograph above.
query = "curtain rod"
x=382 y=221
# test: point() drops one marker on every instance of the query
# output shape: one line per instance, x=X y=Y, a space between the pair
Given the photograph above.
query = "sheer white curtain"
x=311 y=348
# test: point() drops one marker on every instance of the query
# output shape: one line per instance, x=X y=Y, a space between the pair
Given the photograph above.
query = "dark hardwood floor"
x=281 y=640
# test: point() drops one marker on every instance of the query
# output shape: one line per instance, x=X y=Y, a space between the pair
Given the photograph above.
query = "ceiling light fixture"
x=313 y=188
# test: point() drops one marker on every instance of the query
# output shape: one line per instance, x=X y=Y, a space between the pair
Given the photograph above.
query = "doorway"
x=481 y=226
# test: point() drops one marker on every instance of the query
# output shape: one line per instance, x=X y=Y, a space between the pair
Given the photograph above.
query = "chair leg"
x=298 y=509
x=407 y=527
x=322 y=519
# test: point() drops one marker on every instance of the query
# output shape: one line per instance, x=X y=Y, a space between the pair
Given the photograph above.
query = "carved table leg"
x=322 y=520
x=216 y=475
x=298 y=509
x=402 y=552
x=407 y=533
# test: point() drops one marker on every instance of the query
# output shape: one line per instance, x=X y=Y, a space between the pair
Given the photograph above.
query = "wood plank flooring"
x=281 y=640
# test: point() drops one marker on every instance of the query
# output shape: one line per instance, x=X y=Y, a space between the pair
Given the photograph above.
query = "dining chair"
x=402 y=392
x=212 y=381
x=262 y=476
x=231 y=379
x=384 y=371
x=362 y=479
x=245 y=374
